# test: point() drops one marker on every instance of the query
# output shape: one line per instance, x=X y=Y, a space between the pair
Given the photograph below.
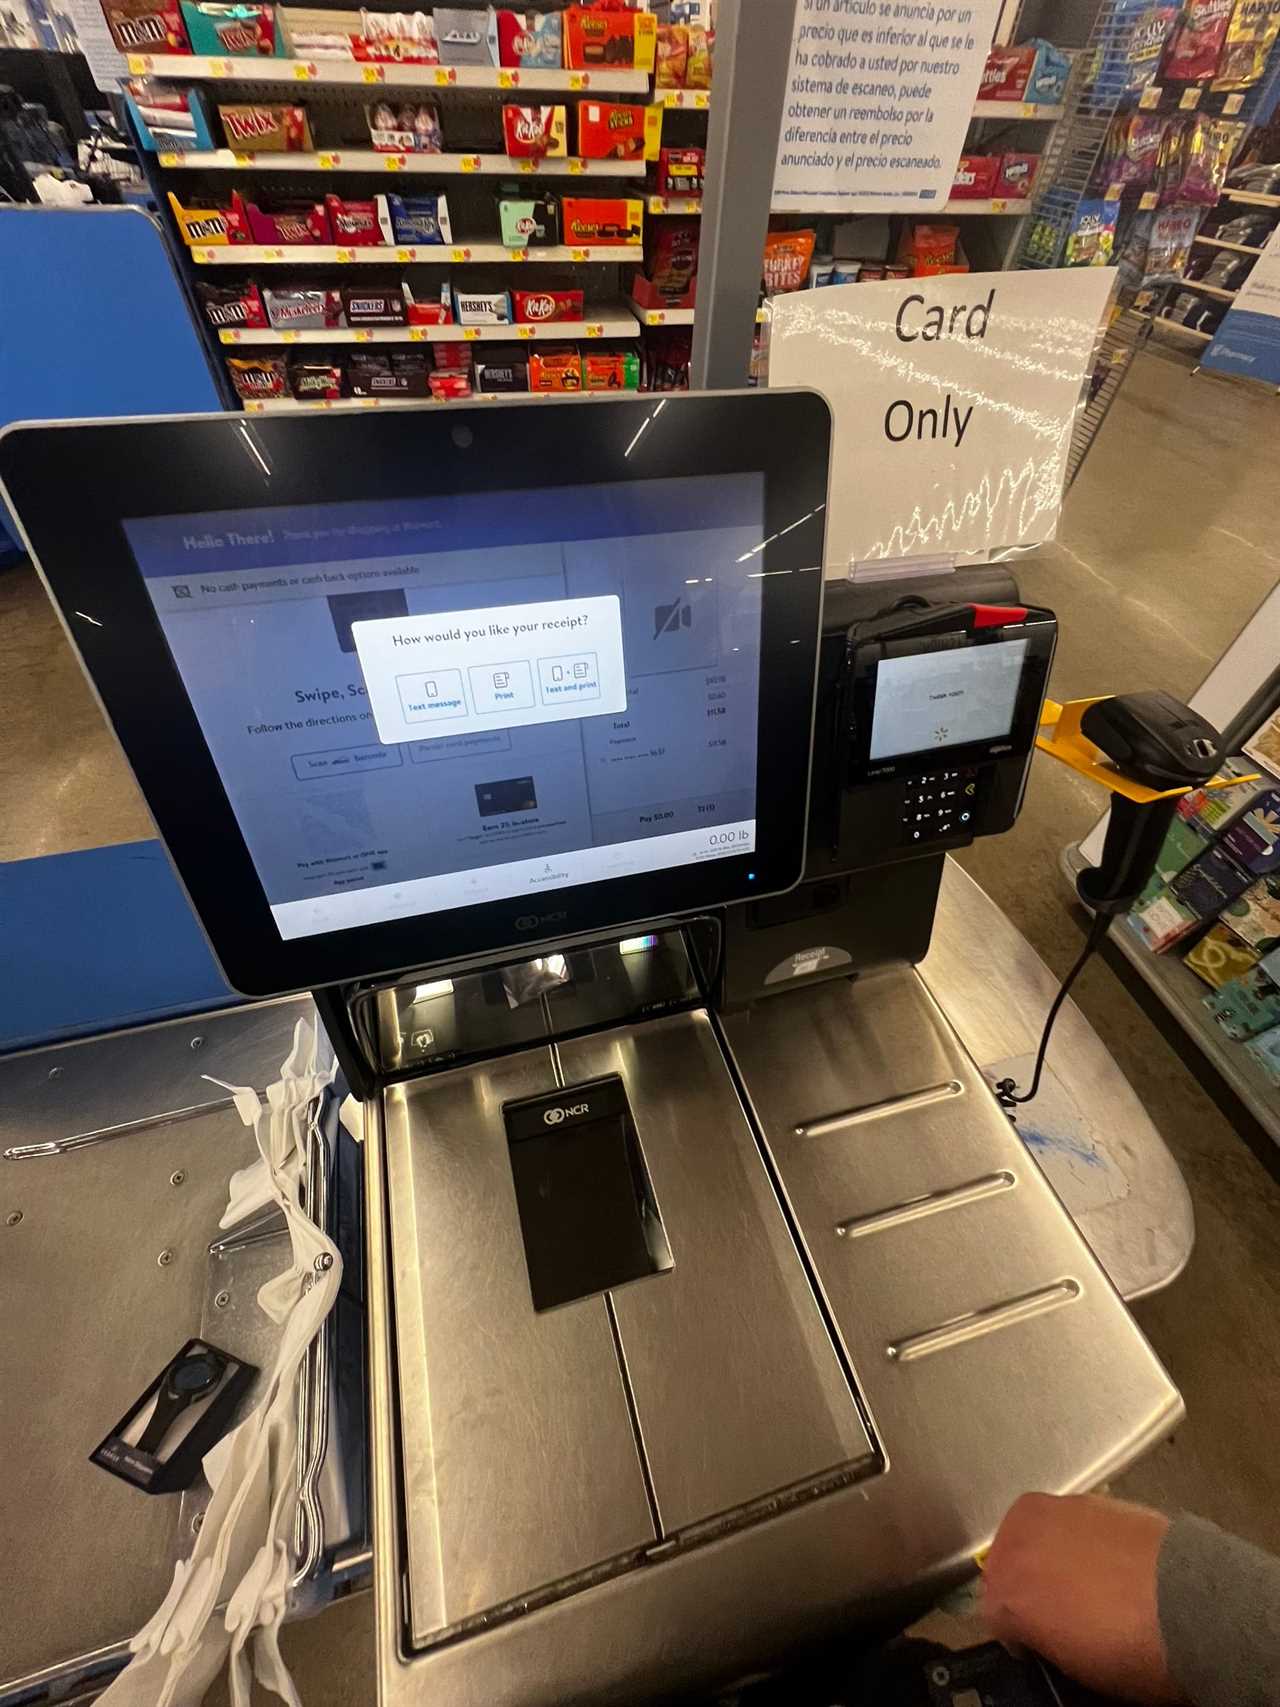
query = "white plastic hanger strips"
x=228 y=1599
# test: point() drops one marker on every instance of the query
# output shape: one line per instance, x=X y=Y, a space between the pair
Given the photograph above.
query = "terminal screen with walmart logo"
x=444 y=701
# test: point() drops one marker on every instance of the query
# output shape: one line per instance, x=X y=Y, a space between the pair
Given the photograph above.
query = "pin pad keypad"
x=941 y=803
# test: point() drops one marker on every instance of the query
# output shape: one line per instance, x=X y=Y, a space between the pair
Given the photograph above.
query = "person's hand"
x=1074 y=1579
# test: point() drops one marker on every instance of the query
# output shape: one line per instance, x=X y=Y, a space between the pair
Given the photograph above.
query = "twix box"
x=266 y=129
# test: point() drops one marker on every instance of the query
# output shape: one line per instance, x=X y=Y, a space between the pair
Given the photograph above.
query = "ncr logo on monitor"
x=532 y=921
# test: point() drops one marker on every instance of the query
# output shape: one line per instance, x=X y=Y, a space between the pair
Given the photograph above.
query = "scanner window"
x=588 y=1216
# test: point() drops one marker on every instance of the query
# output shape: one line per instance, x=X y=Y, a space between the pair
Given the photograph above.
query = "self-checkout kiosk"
x=715 y=1308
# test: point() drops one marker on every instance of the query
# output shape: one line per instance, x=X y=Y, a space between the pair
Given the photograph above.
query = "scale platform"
x=779 y=1429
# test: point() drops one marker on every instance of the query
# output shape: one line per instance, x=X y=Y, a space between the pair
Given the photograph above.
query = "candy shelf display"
x=329 y=146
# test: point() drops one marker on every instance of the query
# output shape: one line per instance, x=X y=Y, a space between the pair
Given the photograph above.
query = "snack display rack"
x=469 y=173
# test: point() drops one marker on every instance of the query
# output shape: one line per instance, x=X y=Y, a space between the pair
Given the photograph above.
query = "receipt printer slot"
x=587 y=1212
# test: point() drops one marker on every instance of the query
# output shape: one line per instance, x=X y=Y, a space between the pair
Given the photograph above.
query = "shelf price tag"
x=1150 y=97
x=1147 y=200
x=508 y=79
x=363 y=336
x=577 y=168
x=527 y=165
x=168 y=159
x=1190 y=98
x=229 y=334
x=221 y=68
x=395 y=162
x=595 y=331
x=701 y=99
x=1232 y=105
x=327 y=162
x=470 y=333
x=273 y=254
x=305 y=71
x=469 y=163
x=579 y=80
x=417 y=334
x=1114 y=192
x=999 y=206
x=579 y=254
x=444 y=77
x=288 y=337
x=525 y=331
x=139 y=64
x=517 y=254
x=243 y=159
x=457 y=255
x=373 y=74
x=344 y=255
x=654 y=317
x=406 y=254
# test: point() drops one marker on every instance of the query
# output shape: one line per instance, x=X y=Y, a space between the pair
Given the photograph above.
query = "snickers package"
x=393 y=373
x=375 y=305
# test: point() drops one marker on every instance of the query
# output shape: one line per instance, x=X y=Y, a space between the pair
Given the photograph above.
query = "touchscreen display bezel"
x=187 y=466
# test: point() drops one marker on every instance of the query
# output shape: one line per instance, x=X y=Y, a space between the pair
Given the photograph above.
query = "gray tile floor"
x=1170 y=540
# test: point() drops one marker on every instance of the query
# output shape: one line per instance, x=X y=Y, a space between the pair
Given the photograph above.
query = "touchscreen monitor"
x=403 y=689
x=421 y=705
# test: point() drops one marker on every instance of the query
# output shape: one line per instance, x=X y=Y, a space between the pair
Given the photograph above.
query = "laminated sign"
x=954 y=398
x=879 y=96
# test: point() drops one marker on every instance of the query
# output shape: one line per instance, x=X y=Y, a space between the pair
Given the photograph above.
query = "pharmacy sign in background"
x=1247 y=342
x=879 y=95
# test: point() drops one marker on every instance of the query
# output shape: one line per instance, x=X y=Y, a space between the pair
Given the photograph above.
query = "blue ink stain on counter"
x=1037 y=1140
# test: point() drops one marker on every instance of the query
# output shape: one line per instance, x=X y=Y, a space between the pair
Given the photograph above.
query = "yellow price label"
x=395 y=162
x=507 y=79
x=230 y=335
x=139 y=64
x=579 y=254
x=1190 y=98
x=273 y=255
x=327 y=162
x=304 y=72
x=469 y=163
x=517 y=254
x=288 y=337
x=417 y=334
x=1114 y=192
x=1150 y=97
x=442 y=77
x=595 y=331
x=471 y=333
x=243 y=159
x=406 y=254
x=654 y=317
x=345 y=255
x=1232 y=104
x=579 y=80
x=524 y=331
x=252 y=406
x=528 y=165
x=1147 y=200
x=202 y=256
x=364 y=337
x=460 y=255
x=577 y=168
x=702 y=99
x=168 y=159
x=221 y=68
x=998 y=206
x=373 y=74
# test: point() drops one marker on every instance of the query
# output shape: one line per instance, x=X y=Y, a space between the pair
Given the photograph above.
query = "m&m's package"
x=1195 y=45
x=261 y=379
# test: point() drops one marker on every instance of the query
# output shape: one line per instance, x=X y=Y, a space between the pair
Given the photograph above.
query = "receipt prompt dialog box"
x=498 y=668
